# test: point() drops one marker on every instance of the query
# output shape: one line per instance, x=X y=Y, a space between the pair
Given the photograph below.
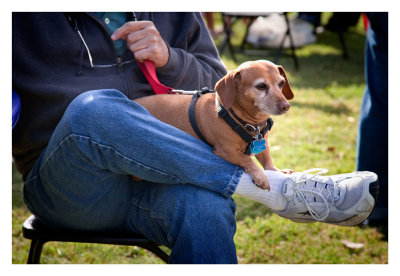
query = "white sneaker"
x=343 y=199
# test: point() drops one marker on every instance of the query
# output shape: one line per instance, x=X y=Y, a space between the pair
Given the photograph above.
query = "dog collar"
x=247 y=126
x=256 y=143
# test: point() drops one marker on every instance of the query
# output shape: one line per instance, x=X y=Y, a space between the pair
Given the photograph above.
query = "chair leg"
x=289 y=33
x=35 y=251
x=343 y=44
x=228 y=33
x=279 y=52
x=248 y=24
x=157 y=251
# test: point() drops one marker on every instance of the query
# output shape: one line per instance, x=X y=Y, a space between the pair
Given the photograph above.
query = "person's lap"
x=82 y=180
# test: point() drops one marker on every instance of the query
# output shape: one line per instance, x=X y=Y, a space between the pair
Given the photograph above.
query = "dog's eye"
x=281 y=84
x=261 y=86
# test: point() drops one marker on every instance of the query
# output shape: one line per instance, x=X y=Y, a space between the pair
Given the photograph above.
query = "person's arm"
x=180 y=47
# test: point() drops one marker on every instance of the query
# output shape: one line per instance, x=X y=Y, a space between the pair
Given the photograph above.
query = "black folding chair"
x=39 y=233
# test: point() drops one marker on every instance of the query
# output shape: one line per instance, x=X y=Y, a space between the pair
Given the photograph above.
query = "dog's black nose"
x=284 y=106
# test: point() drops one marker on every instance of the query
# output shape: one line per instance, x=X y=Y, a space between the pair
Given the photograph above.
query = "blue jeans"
x=372 y=151
x=82 y=180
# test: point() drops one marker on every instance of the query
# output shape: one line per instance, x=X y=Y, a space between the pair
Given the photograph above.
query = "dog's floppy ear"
x=226 y=88
x=286 y=90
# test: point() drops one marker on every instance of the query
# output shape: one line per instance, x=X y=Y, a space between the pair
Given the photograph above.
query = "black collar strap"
x=246 y=125
x=224 y=114
x=192 y=116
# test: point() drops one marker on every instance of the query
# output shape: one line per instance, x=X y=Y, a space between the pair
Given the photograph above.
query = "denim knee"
x=88 y=98
x=93 y=106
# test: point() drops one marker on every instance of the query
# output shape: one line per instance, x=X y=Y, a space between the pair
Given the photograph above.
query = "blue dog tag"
x=257 y=146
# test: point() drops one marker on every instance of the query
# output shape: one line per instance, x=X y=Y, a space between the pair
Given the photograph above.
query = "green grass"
x=320 y=130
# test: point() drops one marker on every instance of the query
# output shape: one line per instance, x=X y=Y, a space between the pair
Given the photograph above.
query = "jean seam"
x=161 y=218
x=232 y=183
x=31 y=178
x=53 y=152
x=108 y=147
x=152 y=214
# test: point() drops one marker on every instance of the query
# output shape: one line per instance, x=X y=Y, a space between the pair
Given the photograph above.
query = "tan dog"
x=254 y=91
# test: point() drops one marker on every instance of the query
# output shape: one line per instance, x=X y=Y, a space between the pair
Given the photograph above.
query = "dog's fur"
x=255 y=90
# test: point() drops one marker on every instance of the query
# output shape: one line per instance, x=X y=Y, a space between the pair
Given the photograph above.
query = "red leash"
x=149 y=72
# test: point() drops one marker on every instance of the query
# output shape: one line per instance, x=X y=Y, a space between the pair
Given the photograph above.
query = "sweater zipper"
x=119 y=58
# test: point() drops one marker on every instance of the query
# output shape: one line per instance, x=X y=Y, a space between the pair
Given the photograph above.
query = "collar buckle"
x=250 y=128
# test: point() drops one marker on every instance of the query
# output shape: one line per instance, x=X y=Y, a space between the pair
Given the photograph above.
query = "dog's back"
x=170 y=109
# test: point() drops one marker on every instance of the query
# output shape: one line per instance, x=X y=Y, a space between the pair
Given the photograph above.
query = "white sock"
x=273 y=199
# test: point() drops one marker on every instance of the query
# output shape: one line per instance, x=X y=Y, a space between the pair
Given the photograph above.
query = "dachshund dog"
x=248 y=95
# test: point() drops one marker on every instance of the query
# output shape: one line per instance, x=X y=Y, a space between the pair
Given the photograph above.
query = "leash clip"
x=204 y=90
x=184 y=92
x=258 y=137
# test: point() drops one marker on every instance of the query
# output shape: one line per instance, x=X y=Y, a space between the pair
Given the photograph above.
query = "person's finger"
x=137 y=46
x=135 y=37
x=142 y=54
x=129 y=27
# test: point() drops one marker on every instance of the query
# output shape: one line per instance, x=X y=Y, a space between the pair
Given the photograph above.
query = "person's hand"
x=144 y=40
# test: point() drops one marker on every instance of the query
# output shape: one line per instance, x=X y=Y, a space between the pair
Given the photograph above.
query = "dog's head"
x=256 y=84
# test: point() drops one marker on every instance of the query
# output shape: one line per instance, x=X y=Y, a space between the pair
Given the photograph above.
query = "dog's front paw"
x=261 y=180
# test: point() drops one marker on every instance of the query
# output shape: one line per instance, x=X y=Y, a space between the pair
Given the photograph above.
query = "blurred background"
x=323 y=55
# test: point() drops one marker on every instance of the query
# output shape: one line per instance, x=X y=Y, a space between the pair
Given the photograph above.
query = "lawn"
x=320 y=130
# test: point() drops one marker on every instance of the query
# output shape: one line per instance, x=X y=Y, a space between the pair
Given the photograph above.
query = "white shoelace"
x=302 y=188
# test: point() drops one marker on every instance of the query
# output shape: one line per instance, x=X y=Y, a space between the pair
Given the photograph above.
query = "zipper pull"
x=119 y=62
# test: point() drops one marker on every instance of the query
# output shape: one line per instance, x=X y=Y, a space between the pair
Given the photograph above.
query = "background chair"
x=339 y=23
x=231 y=18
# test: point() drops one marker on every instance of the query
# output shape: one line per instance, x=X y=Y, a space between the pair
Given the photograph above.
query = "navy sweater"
x=50 y=67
